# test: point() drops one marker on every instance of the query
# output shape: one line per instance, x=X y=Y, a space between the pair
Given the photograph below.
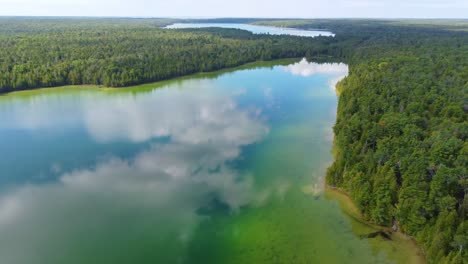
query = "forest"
x=401 y=148
x=121 y=52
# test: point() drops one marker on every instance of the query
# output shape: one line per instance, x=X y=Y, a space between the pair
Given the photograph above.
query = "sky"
x=239 y=8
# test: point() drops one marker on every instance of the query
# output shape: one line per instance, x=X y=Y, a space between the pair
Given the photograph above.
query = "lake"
x=224 y=167
x=256 y=29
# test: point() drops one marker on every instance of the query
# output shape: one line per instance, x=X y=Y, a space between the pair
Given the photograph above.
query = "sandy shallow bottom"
x=401 y=248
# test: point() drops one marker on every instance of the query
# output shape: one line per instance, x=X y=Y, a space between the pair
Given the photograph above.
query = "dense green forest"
x=120 y=52
x=401 y=132
x=401 y=148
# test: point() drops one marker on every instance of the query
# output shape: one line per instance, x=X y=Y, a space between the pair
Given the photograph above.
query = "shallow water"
x=218 y=168
x=256 y=29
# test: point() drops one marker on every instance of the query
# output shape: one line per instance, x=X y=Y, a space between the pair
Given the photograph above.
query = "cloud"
x=207 y=114
x=304 y=68
x=190 y=112
x=159 y=192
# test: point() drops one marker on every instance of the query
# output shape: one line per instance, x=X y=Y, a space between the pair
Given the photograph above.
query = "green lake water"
x=217 y=168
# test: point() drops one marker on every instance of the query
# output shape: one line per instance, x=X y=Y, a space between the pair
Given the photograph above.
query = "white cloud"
x=158 y=191
x=304 y=68
x=191 y=112
x=206 y=114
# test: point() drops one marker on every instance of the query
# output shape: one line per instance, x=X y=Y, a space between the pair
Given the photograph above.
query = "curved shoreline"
x=402 y=241
x=349 y=208
x=346 y=204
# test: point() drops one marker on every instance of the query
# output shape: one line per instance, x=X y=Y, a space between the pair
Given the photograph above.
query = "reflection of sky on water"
x=163 y=188
x=304 y=68
x=207 y=115
x=171 y=180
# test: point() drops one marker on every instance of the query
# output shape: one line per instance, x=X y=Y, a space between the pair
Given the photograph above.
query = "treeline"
x=112 y=52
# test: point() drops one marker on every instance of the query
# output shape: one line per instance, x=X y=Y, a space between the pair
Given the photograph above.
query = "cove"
x=256 y=29
x=223 y=167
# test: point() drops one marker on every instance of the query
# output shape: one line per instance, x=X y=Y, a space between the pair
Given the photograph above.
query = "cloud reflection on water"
x=209 y=114
x=160 y=193
x=163 y=185
x=305 y=68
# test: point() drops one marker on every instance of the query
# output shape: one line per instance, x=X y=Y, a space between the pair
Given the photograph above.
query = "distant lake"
x=223 y=167
x=255 y=29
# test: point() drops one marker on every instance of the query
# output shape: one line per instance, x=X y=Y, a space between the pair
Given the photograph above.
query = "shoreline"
x=345 y=202
x=348 y=207
x=159 y=83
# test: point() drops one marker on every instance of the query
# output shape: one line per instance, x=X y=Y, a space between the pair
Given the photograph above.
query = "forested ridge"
x=401 y=148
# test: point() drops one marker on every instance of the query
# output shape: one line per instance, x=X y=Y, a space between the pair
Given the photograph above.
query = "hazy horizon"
x=236 y=17
x=380 y=9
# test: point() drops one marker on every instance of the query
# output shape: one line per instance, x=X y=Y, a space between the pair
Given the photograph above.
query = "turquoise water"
x=224 y=168
x=256 y=29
